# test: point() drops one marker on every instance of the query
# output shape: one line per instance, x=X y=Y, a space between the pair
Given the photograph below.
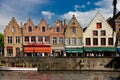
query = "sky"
x=51 y=10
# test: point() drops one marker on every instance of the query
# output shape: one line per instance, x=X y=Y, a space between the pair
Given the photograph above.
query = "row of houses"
x=97 y=39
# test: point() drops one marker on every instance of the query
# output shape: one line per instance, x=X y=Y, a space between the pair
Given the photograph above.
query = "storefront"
x=37 y=50
x=99 y=51
x=74 y=51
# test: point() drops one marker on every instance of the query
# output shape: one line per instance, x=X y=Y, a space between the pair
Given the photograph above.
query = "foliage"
x=1 y=39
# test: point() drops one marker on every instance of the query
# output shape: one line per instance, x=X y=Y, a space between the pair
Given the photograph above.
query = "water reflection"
x=58 y=75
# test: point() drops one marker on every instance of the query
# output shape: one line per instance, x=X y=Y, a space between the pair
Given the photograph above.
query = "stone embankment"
x=71 y=63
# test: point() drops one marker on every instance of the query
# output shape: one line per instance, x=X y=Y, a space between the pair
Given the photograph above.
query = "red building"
x=36 y=39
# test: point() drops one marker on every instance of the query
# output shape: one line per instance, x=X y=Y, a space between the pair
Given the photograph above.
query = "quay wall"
x=71 y=63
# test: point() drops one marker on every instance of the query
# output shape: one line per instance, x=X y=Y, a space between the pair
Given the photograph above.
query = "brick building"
x=73 y=38
x=12 y=39
x=57 y=38
x=36 y=39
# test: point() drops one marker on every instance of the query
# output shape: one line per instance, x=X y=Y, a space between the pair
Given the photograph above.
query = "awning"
x=42 y=49
x=74 y=50
x=9 y=47
x=99 y=49
x=37 y=49
x=28 y=49
x=118 y=49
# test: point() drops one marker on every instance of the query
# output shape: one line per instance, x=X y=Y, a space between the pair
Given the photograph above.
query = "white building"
x=99 y=37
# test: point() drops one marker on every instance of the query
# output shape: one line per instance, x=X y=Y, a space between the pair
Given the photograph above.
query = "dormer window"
x=57 y=29
x=43 y=29
x=30 y=29
x=99 y=25
x=13 y=29
x=73 y=30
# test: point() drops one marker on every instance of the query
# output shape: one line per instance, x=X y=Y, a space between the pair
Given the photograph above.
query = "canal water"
x=59 y=75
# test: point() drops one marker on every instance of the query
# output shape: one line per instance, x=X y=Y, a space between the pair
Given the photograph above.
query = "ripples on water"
x=58 y=75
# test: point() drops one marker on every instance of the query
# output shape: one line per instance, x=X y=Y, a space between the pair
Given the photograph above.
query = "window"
x=13 y=29
x=73 y=41
x=17 y=39
x=95 y=33
x=73 y=30
x=43 y=29
x=9 y=39
x=95 y=41
x=103 y=33
x=30 y=29
x=26 y=38
x=54 y=40
x=17 y=51
x=67 y=41
x=99 y=25
x=110 y=41
x=119 y=29
x=60 y=40
x=40 y=39
x=33 y=39
x=57 y=29
x=47 y=39
x=88 y=41
x=79 y=41
x=103 y=41
x=9 y=52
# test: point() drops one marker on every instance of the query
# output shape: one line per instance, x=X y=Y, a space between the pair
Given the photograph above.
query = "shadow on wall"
x=114 y=78
x=114 y=63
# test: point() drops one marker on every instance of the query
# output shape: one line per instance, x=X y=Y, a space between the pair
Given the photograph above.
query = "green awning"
x=74 y=50
x=99 y=49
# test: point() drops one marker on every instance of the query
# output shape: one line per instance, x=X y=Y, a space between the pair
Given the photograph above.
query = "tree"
x=1 y=40
x=1 y=44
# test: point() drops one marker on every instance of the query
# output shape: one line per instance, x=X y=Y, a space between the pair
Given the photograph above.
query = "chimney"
x=114 y=7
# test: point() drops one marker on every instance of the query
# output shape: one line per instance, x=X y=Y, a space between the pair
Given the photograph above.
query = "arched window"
x=43 y=29
x=57 y=29
x=30 y=29
x=13 y=29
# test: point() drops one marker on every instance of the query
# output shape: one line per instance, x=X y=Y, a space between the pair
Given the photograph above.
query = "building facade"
x=12 y=39
x=115 y=24
x=99 y=38
x=57 y=38
x=73 y=38
x=36 y=39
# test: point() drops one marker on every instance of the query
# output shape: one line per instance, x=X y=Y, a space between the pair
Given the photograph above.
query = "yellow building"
x=12 y=39
x=73 y=38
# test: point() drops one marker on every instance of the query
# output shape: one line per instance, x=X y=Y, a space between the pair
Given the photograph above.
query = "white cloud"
x=83 y=6
x=48 y=14
x=88 y=3
x=77 y=7
x=84 y=18
x=20 y=9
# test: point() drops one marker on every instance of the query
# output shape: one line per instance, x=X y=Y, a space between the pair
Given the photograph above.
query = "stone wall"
x=52 y=63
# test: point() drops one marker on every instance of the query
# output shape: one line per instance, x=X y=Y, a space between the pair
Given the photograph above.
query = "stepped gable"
x=57 y=24
x=41 y=25
x=12 y=24
x=28 y=24
x=74 y=21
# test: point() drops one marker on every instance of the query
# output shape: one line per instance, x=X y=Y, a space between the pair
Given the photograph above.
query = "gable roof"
x=98 y=14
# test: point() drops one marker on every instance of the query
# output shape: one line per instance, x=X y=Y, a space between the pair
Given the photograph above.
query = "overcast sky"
x=52 y=10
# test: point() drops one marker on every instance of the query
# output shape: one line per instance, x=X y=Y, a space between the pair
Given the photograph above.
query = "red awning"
x=37 y=49
x=9 y=47
x=42 y=49
x=28 y=49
